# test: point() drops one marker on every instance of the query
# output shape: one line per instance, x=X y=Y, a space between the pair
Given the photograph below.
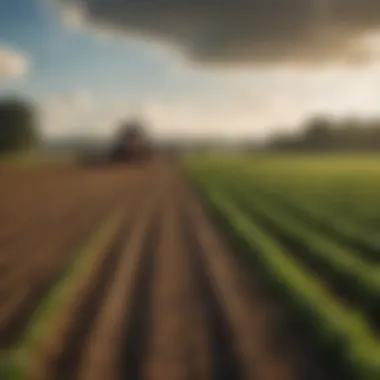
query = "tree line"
x=18 y=126
x=19 y=132
x=328 y=134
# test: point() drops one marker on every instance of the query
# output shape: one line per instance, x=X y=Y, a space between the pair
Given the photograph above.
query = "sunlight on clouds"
x=73 y=16
x=323 y=57
x=12 y=64
x=295 y=61
x=371 y=42
x=80 y=114
x=305 y=33
x=230 y=118
x=241 y=112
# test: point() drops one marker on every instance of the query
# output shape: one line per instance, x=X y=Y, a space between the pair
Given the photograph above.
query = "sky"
x=192 y=68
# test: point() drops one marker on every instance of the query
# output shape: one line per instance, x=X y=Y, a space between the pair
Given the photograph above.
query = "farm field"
x=227 y=268
x=310 y=226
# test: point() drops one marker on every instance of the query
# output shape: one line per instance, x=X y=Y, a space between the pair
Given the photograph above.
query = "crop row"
x=346 y=195
x=337 y=331
x=345 y=271
x=330 y=223
x=317 y=214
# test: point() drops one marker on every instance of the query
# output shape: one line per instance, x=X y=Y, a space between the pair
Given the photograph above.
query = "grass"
x=32 y=158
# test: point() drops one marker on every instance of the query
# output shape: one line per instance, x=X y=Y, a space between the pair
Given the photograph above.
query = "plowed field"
x=119 y=273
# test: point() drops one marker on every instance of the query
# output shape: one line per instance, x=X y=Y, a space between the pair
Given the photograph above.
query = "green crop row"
x=344 y=193
x=360 y=280
x=338 y=332
x=15 y=362
x=320 y=213
x=316 y=216
x=333 y=224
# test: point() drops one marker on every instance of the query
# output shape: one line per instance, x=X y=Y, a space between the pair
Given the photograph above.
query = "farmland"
x=310 y=225
x=225 y=268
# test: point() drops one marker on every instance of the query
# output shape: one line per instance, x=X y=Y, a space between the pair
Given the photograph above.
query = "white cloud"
x=234 y=116
x=81 y=100
x=223 y=117
x=12 y=63
x=80 y=114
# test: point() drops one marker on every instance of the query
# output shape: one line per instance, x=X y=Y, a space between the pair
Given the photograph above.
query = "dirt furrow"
x=197 y=313
x=139 y=314
x=49 y=253
x=104 y=355
x=60 y=355
x=57 y=355
x=224 y=361
x=66 y=366
x=250 y=319
x=32 y=285
x=56 y=351
x=165 y=357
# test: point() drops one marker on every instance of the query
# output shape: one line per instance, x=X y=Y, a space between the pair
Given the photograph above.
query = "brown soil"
x=166 y=298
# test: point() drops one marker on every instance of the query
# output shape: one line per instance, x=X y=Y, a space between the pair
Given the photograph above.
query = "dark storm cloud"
x=257 y=31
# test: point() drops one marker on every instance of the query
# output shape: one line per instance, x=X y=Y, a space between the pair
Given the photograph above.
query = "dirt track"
x=166 y=298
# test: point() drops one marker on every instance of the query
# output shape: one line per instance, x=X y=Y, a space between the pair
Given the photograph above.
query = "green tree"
x=17 y=126
x=318 y=133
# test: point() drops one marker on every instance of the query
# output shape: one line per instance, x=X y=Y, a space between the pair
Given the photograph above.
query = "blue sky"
x=62 y=59
x=83 y=82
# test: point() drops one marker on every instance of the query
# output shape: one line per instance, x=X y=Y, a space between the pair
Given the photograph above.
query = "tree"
x=318 y=133
x=17 y=126
x=324 y=134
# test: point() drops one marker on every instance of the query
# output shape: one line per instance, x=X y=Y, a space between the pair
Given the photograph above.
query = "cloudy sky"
x=192 y=67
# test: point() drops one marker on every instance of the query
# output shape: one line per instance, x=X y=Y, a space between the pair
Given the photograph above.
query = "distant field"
x=311 y=225
x=34 y=158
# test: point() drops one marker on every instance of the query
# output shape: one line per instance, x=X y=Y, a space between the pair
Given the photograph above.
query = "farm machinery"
x=131 y=145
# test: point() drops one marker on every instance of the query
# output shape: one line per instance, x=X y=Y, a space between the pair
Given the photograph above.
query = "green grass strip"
x=14 y=363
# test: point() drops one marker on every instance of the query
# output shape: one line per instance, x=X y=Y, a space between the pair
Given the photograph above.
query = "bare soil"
x=167 y=298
